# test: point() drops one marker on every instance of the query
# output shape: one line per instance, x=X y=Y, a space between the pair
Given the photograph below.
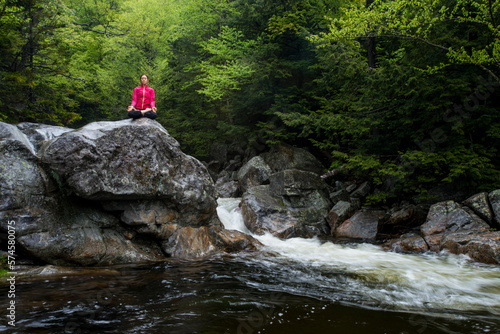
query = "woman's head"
x=144 y=79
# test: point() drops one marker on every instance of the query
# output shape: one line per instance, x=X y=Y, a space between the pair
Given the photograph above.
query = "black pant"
x=135 y=114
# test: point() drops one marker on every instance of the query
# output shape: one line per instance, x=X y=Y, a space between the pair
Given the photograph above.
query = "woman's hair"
x=143 y=75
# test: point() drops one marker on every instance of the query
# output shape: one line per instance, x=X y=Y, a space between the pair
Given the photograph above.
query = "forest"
x=403 y=94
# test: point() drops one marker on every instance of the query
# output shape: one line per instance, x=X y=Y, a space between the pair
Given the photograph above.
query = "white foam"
x=437 y=281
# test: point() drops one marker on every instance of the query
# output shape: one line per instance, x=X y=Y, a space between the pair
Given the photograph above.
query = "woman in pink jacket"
x=143 y=101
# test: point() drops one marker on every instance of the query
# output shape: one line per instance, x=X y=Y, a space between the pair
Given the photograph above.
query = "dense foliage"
x=403 y=93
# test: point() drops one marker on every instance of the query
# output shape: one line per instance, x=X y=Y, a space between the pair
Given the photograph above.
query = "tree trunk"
x=372 y=45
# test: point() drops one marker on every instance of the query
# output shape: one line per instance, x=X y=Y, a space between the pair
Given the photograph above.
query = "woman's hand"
x=130 y=108
x=154 y=109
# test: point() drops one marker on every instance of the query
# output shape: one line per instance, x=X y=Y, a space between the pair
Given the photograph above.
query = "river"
x=288 y=286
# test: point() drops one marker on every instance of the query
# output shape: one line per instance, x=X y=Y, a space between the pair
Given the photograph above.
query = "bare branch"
x=105 y=32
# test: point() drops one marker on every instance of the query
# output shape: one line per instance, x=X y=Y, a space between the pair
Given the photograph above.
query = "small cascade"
x=365 y=274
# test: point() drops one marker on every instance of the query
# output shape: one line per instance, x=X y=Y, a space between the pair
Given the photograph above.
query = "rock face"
x=108 y=193
x=284 y=194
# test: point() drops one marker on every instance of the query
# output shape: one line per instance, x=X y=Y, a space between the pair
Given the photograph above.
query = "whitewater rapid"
x=366 y=274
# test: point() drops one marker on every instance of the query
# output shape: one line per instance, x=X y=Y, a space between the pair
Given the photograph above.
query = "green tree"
x=393 y=124
x=32 y=34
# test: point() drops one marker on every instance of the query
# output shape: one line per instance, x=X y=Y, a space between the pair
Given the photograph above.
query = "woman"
x=143 y=101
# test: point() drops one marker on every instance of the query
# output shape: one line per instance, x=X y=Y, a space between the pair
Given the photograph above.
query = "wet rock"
x=450 y=217
x=37 y=272
x=408 y=215
x=109 y=193
x=255 y=172
x=480 y=205
x=408 y=243
x=189 y=242
x=481 y=247
x=285 y=217
x=434 y=242
x=37 y=134
x=295 y=203
x=227 y=189
x=340 y=213
x=21 y=181
x=63 y=232
x=362 y=225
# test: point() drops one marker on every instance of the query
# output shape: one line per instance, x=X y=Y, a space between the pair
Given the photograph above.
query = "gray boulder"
x=446 y=218
x=283 y=157
x=479 y=203
x=129 y=160
x=362 y=190
x=21 y=181
x=284 y=194
x=254 y=173
x=339 y=195
x=108 y=193
x=227 y=189
x=451 y=217
x=285 y=217
x=294 y=182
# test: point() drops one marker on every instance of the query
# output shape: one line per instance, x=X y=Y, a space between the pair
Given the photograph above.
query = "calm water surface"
x=292 y=286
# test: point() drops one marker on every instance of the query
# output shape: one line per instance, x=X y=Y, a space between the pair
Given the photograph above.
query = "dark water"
x=223 y=295
x=292 y=286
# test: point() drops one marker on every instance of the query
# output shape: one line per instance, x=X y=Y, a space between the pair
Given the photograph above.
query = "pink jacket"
x=143 y=97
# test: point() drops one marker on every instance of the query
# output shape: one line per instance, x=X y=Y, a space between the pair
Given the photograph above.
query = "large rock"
x=481 y=247
x=403 y=218
x=451 y=217
x=293 y=182
x=128 y=160
x=408 y=243
x=284 y=194
x=285 y=217
x=340 y=213
x=283 y=157
x=494 y=198
x=363 y=224
x=108 y=193
x=480 y=205
x=447 y=218
x=254 y=173
x=21 y=181
x=184 y=242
